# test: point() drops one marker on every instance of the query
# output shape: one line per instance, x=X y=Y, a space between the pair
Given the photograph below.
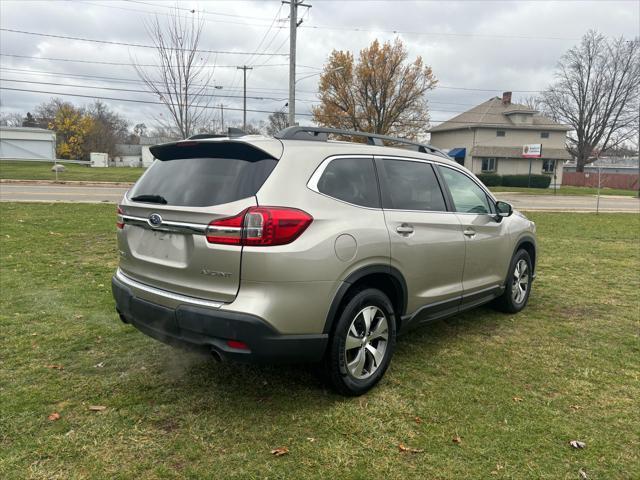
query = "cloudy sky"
x=477 y=49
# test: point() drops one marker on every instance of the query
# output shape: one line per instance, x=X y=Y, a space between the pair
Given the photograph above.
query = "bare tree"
x=597 y=92
x=13 y=119
x=533 y=102
x=277 y=122
x=181 y=80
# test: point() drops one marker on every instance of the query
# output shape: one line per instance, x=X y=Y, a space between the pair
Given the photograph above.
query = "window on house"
x=544 y=134
x=488 y=165
x=548 y=166
x=501 y=133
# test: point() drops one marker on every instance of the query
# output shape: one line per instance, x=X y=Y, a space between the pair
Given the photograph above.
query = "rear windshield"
x=202 y=182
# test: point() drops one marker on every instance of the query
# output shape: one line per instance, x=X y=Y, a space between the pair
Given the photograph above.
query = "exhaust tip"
x=216 y=355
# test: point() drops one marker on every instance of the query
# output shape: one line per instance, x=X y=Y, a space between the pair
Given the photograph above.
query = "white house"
x=27 y=143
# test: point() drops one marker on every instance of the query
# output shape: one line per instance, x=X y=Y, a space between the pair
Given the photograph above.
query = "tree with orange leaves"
x=382 y=93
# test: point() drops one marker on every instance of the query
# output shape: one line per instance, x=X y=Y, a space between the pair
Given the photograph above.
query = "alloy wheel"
x=366 y=342
x=520 y=283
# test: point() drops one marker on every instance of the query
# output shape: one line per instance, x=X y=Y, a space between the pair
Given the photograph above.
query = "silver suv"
x=303 y=249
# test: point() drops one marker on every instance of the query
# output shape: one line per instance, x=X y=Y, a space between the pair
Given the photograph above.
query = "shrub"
x=537 y=181
x=490 y=179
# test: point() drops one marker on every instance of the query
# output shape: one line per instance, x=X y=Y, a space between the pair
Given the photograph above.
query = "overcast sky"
x=477 y=49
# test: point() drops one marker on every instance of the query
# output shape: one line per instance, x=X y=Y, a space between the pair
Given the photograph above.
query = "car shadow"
x=239 y=390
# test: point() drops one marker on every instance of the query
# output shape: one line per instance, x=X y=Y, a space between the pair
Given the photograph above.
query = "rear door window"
x=202 y=182
x=409 y=185
x=351 y=180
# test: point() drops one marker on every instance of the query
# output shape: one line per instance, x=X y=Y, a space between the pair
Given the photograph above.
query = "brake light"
x=119 y=219
x=260 y=226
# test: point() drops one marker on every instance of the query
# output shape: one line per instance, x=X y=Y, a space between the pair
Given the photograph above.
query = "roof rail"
x=321 y=134
x=232 y=132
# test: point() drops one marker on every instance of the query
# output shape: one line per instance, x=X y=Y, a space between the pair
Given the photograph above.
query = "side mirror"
x=503 y=209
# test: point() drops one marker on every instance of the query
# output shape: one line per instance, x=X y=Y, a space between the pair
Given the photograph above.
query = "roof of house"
x=27 y=129
x=516 y=152
x=495 y=114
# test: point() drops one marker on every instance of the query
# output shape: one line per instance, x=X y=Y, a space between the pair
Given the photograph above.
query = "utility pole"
x=244 y=69
x=221 y=118
x=293 y=27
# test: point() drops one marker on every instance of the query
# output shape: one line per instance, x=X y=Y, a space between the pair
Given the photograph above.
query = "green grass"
x=515 y=388
x=42 y=171
x=566 y=190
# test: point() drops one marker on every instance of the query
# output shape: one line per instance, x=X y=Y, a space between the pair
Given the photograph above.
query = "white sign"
x=532 y=151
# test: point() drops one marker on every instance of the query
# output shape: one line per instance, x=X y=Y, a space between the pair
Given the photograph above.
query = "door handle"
x=404 y=229
x=469 y=232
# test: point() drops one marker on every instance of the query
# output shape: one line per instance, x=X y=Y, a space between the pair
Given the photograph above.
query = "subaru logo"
x=155 y=220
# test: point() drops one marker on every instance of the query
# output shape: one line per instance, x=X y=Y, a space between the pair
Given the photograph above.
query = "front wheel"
x=518 y=285
x=362 y=343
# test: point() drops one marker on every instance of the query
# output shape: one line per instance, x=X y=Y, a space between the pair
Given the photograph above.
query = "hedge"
x=490 y=179
x=537 y=181
x=495 y=180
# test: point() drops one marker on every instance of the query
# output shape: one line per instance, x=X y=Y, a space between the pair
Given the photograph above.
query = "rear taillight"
x=260 y=226
x=119 y=220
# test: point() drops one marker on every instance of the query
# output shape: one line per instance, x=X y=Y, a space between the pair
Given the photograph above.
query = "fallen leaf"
x=406 y=449
x=54 y=416
x=54 y=367
x=577 y=444
x=575 y=407
x=311 y=439
x=280 y=451
x=583 y=474
x=457 y=439
x=418 y=420
x=78 y=316
x=97 y=408
x=517 y=399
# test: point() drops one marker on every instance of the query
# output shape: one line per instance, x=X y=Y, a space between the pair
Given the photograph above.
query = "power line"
x=125 y=64
x=131 y=80
x=275 y=17
x=193 y=12
x=125 y=80
x=135 y=90
x=136 y=45
x=436 y=34
x=149 y=102
x=204 y=12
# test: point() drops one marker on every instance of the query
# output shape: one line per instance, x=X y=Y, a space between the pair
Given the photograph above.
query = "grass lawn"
x=42 y=171
x=515 y=388
x=566 y=190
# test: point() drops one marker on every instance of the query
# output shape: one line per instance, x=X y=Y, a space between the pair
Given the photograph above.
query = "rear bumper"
x=208 y=329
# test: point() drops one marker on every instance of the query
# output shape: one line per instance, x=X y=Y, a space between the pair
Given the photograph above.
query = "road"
x=98 y=194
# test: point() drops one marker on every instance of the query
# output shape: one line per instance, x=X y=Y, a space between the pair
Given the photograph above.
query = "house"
x=126 y=155
x=495 y=137
x=26 y=143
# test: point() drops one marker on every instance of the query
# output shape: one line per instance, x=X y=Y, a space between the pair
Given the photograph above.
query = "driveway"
x=23 y=192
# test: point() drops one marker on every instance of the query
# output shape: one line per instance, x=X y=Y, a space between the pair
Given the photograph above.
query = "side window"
x=468 y=197
x=408 y=185
x=351 y=180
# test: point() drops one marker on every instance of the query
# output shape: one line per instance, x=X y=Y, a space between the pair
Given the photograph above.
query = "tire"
x=512 y=300
x=355 y=367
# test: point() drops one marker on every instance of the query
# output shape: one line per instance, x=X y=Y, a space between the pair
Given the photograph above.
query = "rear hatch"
x=163 y=219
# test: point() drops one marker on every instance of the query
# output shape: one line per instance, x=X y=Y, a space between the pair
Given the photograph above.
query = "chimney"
x=506 y=98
